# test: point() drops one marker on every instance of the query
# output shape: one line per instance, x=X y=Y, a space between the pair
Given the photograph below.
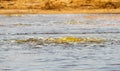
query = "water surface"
x=103 y=56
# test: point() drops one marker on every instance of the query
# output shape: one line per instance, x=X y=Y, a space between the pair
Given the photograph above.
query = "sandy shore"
x=58 y=6
x=76 y=11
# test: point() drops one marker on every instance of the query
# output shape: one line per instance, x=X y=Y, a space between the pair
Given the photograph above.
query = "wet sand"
x=62 y=11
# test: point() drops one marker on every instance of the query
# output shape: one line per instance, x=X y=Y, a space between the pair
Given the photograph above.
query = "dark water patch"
x=118 y=64
x=59 y=33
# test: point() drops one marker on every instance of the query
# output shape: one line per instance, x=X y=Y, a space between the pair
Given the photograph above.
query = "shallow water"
x=103 y=56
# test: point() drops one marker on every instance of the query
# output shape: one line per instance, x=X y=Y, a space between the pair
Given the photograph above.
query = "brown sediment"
x=58 y=6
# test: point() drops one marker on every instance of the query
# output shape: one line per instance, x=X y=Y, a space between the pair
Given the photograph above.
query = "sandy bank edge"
x=38 y=11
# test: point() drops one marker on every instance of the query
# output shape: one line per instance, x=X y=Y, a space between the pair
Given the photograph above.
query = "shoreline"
x=71 y=11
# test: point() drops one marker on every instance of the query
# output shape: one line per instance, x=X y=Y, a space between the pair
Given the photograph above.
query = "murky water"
x=28 y=56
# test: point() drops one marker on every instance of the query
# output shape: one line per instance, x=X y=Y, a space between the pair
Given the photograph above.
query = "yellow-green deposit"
x=62 y=40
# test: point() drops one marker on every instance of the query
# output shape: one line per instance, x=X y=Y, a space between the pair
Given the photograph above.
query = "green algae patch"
x=74 y=40
x=32 y=40
x=68 y=40
x=61 y=40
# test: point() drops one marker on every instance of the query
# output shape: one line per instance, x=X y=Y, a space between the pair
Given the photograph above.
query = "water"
x=103 y=56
